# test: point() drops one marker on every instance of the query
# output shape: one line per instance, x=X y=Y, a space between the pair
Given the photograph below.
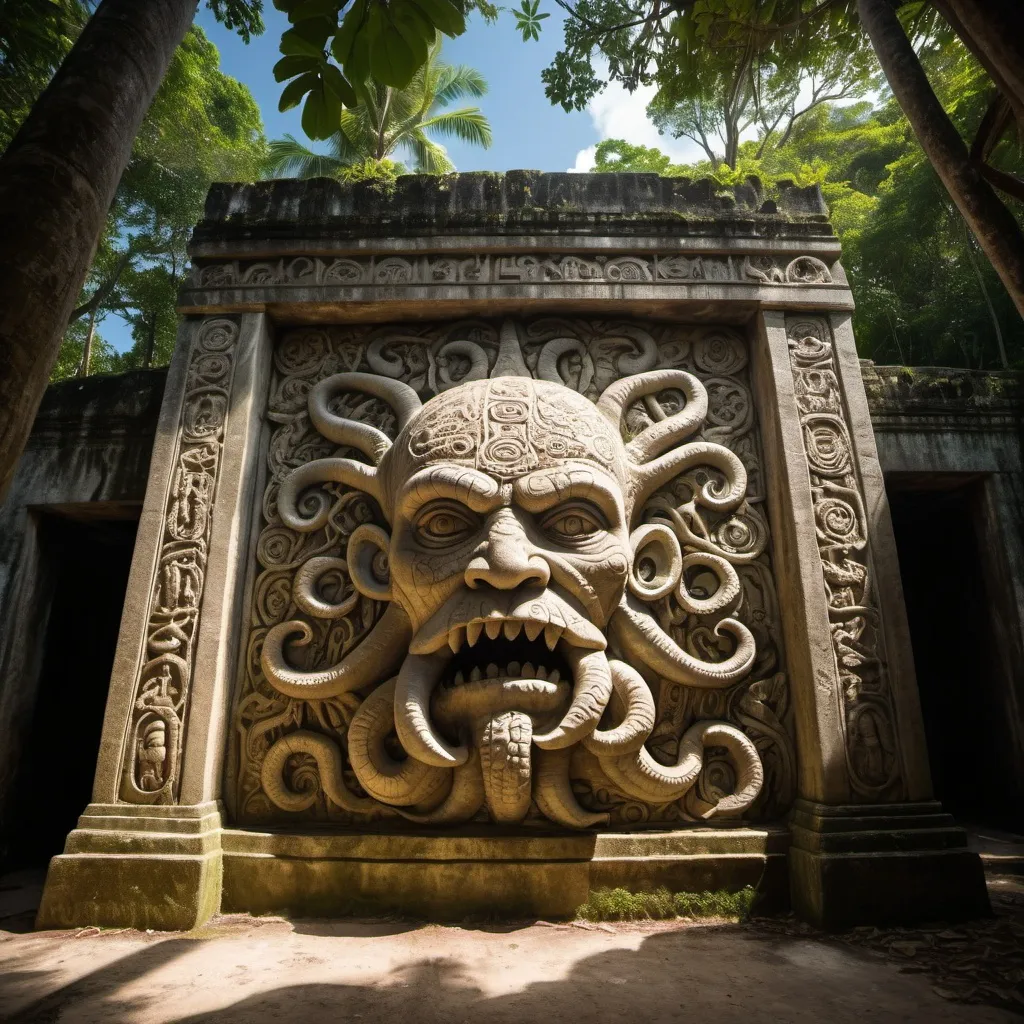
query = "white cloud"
x=618 y=114
x=585 y=159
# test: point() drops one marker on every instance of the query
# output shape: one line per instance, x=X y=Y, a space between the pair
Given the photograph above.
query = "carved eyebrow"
x=546 y=488
x=459 y=483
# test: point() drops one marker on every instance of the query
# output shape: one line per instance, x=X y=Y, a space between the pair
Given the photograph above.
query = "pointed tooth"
x=528 y=670
x=532 y=629
x=475 y=674
x=492 y=671
x=456 y=638
x=542 y=672
x=514 y=669
x=555 y=675
x=493 y=627
x=511 y=629
x=552 y=634
x=473 y=631
x=459 y=679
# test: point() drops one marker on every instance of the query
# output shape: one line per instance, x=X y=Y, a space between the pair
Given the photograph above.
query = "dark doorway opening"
x=86 y=563
x=950 y=610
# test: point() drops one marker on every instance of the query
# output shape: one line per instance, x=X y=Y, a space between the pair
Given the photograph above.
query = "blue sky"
x=528 y=131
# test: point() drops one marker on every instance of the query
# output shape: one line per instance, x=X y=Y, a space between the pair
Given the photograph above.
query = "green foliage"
x=619 y=155
x=684 y=48
x=387 y=41
x=925 y=293
x=389 y=121
x=528 y=19
x=104 y=359
x=35 y=36
x=203 y=126
x=623 y=905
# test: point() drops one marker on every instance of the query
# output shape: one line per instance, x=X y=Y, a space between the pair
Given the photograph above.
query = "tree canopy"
x=203 y=126
x=925 y=293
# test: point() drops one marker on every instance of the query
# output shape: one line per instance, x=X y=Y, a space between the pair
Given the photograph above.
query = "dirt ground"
x=255 y=970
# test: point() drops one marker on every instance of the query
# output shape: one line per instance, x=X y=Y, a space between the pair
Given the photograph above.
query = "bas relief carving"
x=840 y=521
x=516 y=573
x=151 y=764
x=485 y=268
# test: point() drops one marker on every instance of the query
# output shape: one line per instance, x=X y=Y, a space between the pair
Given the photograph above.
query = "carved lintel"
x=497 y=269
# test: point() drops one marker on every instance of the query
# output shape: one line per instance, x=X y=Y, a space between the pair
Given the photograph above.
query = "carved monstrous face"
x=509 y=564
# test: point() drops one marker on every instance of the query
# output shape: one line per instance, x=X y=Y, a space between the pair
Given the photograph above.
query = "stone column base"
x=127 y=866
x=882 y=864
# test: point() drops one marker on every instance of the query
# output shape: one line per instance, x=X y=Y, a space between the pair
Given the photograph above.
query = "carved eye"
x=574 y=522
x=443 y=523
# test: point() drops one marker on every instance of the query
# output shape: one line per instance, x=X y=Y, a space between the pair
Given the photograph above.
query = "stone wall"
x=89 y=456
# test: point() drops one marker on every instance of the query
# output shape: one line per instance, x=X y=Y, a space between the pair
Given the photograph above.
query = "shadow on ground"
x=257 y=970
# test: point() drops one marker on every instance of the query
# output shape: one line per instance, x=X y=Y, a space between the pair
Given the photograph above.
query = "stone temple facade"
x=505 y=537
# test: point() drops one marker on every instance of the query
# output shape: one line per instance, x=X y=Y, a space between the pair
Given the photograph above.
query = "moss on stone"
x=623 y=905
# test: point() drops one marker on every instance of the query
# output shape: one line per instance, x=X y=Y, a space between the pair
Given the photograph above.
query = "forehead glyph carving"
x=519 y=585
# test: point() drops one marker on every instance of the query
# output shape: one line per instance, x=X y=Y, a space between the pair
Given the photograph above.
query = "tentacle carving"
x=329 y=763
x=357 y=475
x=380 y=653
x=640 y=776
x=552 y=352
x=416 y=681
x=403 y=783
x=728 y=589
x=639 y=635
x=373 y=443
x=719 y=496
x=465 y=799
x=665 y=433
x=468 y=350
x=307 y=579
x=633 y=693
x=553 y=792
x=592 y=689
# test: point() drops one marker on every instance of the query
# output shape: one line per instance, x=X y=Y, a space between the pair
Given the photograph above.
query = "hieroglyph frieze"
x=389 y=271
x=153 y=747
x=841 y=525
x=513 y=572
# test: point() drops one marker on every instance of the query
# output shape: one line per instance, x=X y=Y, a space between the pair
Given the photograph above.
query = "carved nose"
x=508 y=560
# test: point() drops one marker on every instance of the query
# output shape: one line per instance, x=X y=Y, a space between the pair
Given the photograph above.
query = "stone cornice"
x=517 y=202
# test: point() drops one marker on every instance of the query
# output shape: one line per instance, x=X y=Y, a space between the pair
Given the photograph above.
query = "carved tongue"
x=504 y=744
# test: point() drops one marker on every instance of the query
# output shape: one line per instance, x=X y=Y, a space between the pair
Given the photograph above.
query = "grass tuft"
x=661 y=905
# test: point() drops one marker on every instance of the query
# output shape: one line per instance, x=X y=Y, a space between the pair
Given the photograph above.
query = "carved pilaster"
x=873 y=752
x=155 y=736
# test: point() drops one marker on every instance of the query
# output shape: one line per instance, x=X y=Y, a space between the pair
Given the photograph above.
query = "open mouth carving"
x=530 y=614
x=506 y=653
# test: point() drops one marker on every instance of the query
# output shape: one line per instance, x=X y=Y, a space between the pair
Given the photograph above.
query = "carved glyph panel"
x=840 y=522
x=486 y=268
x=516 y=572
x=152 y=755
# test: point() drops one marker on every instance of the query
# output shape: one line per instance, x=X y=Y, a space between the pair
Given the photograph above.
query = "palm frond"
x=468 y=125
x=456 y=82
x=289 y=158
x=430 y=157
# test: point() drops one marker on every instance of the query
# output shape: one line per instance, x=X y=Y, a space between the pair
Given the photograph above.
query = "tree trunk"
x=993 y=225
x=57 y=181
x=83 y=370
x=147 y=357
x=993 y=30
